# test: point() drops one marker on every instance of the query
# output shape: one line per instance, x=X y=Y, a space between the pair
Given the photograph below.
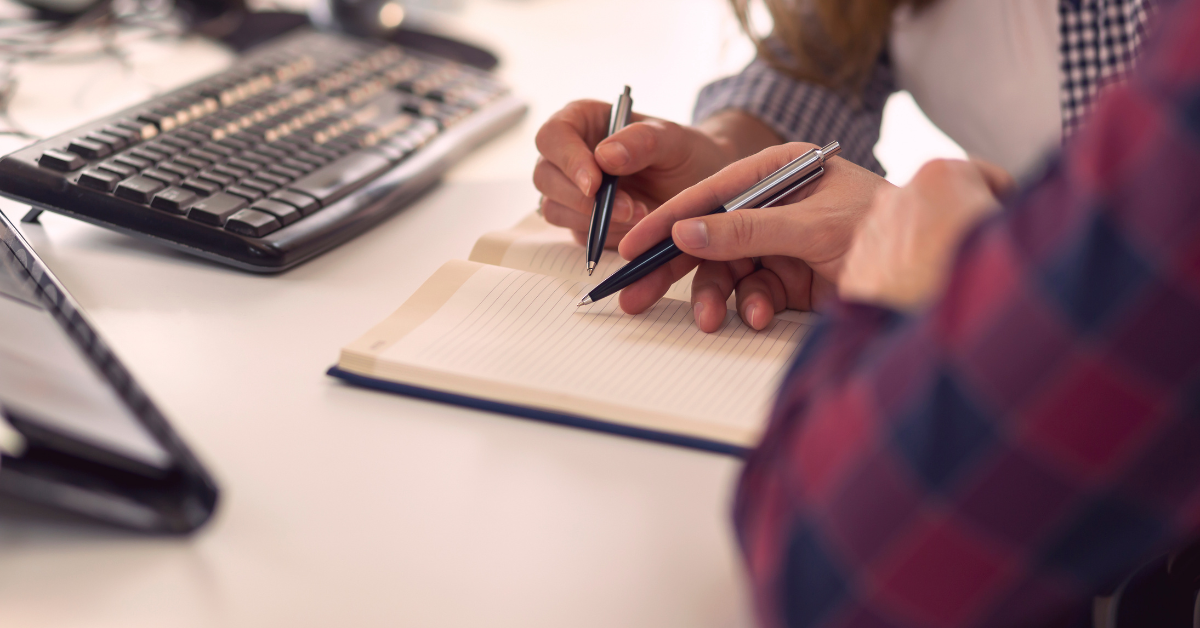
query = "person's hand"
x=903 y=251
x=800 y=246
x=655 y=159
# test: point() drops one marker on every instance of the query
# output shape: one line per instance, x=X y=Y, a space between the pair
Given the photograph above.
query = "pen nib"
x=584 y=302
x=591 y=268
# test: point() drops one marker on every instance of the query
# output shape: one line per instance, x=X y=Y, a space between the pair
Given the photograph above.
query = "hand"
x=903 y=251
x=801 y=246
x=656 y=159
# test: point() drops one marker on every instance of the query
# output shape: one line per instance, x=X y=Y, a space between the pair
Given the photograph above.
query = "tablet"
x=76 y=431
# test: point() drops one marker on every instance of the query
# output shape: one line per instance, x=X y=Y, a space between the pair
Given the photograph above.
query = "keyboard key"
x=137 y=163
x=215 y=209
x=259 y=159
x=271 y=177
x=201 y=187
x=196 y=137
x=144 y=131
x=178 y=168
x=230 y=171
x=286 y=214
x=214 y=147
x=89 y=149
x=255 y=183
x=296 y=164
x=234 y=144
x=237 y=162
x=118 y=168
x=162 y=147
x=166 y=176
x=151 y=156
x=191 y=162
x=174 y=200
x=200 y=154
x=61 y=160
x=271 y=151
x=312 y=158
x=177 y=142
x=98 y=179
x=113 y=142
x=304 y=204
x=253 y=223
x=130 y=137
x=219 y=178
x=284 y=171
x=339 y=178
x=249 y=194
x=139 y=189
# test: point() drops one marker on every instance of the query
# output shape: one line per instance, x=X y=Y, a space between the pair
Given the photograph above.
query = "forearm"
x=738 y=134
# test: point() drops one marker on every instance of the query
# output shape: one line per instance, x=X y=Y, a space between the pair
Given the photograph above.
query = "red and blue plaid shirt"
x=1029 y=439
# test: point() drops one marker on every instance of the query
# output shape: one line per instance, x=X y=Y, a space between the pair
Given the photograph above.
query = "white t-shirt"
x=1003 y=106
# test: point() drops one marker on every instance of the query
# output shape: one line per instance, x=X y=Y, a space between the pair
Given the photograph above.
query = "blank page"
x=517 y=337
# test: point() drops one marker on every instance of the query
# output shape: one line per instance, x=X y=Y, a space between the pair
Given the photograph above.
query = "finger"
x=555 y=185
x=759 y=295
x=998 y=179
x=745 y=233
x=708 y=195
x=797 y=278
x=568 y=218
x=649 y=144
x=711 y=288
x=566 y=141
x=648 y=290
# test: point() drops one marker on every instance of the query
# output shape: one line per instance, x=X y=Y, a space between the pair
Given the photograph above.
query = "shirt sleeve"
x=1033 y=436
x=803 y=112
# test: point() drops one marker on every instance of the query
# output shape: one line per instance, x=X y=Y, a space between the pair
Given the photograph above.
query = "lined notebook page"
x=537 y=246
x=522 y=333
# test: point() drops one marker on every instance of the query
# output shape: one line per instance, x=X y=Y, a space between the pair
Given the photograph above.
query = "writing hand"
x=800 y=246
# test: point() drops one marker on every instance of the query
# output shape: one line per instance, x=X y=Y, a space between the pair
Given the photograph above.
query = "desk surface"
x=348 y=507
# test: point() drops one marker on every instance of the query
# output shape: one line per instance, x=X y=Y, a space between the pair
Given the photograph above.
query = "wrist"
x=738 y=134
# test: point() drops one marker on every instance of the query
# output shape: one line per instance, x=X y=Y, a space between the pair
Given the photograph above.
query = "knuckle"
x=742 y=229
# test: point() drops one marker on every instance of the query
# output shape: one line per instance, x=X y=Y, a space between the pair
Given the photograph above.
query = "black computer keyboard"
x=304 y=143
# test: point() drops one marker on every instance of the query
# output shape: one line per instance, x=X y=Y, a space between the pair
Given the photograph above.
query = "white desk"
x=345 y=507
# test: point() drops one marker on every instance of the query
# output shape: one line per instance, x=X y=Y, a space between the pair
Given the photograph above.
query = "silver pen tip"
x=591 y=268
x=584 y=302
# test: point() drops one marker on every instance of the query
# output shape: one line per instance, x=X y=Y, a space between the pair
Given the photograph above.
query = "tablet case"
x=49 y=473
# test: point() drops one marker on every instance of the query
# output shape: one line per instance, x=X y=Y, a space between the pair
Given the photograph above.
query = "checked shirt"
x=1034 y=435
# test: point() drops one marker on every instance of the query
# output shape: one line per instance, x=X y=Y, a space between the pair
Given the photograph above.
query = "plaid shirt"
x=1099 y=40
x=1001 y=457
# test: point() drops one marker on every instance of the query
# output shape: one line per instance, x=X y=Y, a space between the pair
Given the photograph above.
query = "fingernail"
x=622 y=210
x=752 y=314
x=692 y=233
x=584 y=181
x=614 y=153
x=640 y=210
x=697 y=310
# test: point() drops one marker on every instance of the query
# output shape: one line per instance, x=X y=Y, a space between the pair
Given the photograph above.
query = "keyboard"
x=304 y=143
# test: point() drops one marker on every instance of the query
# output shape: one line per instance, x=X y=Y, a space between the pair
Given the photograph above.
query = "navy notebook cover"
x=538 y=414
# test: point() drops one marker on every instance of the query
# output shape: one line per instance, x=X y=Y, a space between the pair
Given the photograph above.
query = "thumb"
x=740 y=234
x=650 y=143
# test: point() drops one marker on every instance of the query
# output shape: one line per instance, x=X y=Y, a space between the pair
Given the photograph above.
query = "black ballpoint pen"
x=602 y=210
x=778 y=185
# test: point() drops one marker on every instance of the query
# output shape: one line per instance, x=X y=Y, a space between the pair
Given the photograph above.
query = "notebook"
x=501 y=332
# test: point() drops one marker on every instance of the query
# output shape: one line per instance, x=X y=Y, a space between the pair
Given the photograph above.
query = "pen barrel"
x=640 y=266
x=601 y=217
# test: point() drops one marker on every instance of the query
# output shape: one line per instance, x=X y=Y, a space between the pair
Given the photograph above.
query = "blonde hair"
x=833 y=43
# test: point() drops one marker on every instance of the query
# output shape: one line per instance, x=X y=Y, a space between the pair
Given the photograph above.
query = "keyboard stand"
x=31 y=217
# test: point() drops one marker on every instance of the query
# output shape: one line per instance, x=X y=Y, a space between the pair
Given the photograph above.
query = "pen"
x=778 y=185
x=602 y=210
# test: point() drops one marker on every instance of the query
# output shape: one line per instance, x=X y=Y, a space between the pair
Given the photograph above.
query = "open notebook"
x=502 y=332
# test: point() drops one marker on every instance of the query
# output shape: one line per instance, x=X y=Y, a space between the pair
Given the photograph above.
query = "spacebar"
x=341 y=177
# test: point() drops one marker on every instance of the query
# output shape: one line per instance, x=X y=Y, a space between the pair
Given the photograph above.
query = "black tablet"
x=76 y=432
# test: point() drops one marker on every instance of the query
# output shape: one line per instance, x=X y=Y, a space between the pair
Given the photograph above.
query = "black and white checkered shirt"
x=1099 y=42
